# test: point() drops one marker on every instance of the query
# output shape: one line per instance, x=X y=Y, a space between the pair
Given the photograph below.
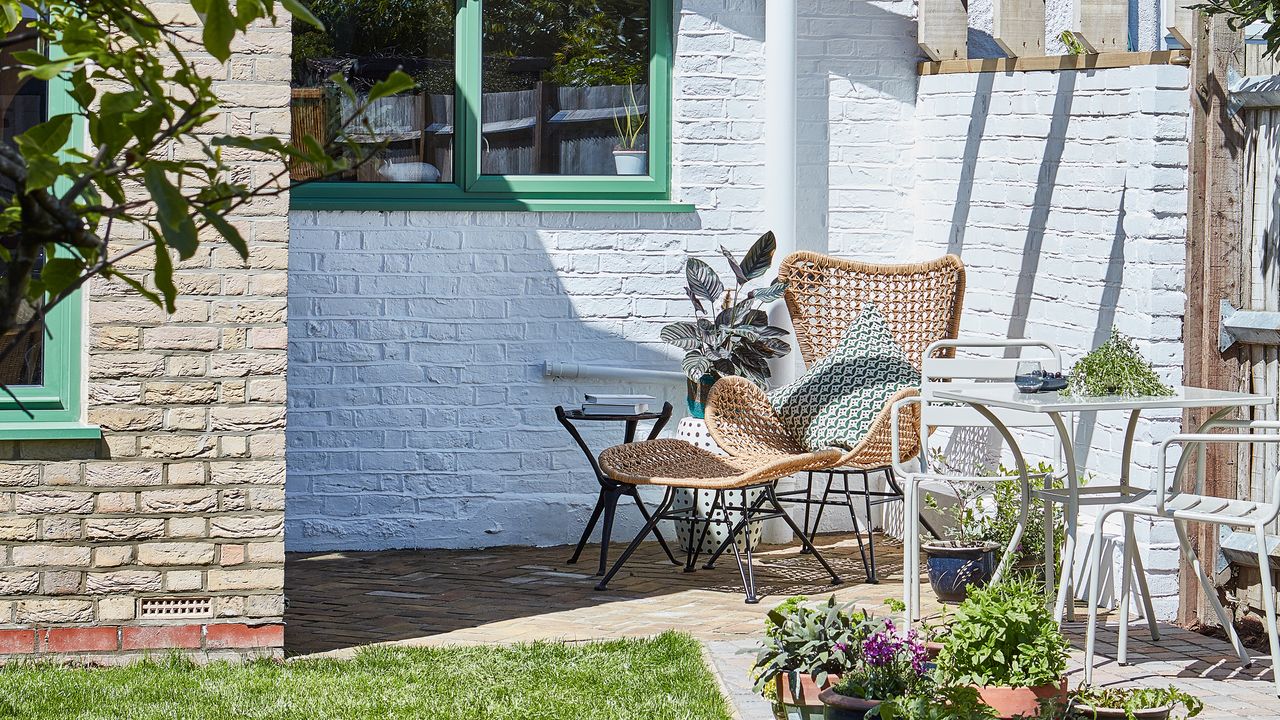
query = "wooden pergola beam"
x=1018 y=27
x=1102 y=25
x=944 y=29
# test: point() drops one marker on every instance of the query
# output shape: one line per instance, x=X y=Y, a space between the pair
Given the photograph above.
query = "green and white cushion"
x=837 y=400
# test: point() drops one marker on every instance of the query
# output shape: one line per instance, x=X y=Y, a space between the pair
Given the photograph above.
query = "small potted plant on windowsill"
x=1005 y=643
x=807 y=648
x=629 y=157
x=890 y=664
x=1131 y=703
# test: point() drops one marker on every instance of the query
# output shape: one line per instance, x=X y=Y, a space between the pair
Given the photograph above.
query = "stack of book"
x=617 y=404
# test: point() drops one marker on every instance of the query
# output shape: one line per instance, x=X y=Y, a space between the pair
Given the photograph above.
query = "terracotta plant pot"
x=952 y=570
x=1088 y=712
x=931 y=650
x=843 y=707
x=807 y=706
x=1011 y=702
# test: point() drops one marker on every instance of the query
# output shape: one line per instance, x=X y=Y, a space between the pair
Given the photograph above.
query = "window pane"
x=565 y=86
x=409 y=136
x=23 y=104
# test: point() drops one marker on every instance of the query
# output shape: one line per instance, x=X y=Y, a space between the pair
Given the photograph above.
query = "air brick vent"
x=153 y=608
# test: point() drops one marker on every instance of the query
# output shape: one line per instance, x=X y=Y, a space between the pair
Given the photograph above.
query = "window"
x=517 y=101
x=43 y=369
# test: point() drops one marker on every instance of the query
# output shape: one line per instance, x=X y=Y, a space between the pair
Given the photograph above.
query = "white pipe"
x=605 y=372
x=780 y=21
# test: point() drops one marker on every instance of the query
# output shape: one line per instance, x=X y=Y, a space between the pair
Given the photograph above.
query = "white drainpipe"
x=780 y=151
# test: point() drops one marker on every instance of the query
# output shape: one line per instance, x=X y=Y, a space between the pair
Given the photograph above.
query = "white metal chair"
x=934 y=414
x=1168 y=502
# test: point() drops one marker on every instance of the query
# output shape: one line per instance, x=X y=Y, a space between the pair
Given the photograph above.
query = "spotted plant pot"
x=694 y=431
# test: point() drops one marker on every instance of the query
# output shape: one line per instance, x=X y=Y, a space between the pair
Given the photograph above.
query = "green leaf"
x=396 y=83
x=695 y=365
x=703 y=280
x=300 y=11
x=758 y=259
x=164 y=276
x=172 y=212
x=683 y=335
x=59 y=273
x=47 y=138
x=138 y=287
x=219 y=29
x=10 y=15
x=734 y=266
x=46 y=69
x=767 y=295
x=228 y=231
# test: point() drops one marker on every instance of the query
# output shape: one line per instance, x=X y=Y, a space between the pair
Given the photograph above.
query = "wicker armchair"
x=920 y=302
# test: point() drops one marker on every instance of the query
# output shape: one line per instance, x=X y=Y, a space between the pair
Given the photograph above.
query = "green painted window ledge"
x=306 y=199
x=49 y=431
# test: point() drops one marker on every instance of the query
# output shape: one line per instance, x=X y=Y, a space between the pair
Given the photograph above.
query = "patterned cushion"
x=837 y=400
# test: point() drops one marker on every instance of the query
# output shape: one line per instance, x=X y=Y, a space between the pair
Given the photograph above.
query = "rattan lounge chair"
x=921 y=303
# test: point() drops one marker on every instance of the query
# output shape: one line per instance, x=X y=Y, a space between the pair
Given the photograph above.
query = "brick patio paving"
x=341 y=601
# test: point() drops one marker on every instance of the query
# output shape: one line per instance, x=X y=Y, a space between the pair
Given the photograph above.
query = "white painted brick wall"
x=1065 y=193
x=418 y=414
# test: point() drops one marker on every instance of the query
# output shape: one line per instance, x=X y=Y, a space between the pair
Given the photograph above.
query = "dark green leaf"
x=734 y=266
x=703 y=280
x=219 y=29
x=758 y=259
x=164 y=276
x=59 y=273
x=228 y=231
x=300 y=11
x=396 y=83
x=683 y=335
x=172 y=211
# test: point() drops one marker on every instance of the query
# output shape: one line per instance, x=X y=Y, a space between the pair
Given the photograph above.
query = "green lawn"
x=653 y=679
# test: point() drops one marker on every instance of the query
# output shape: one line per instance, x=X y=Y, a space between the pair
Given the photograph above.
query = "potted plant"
x=805 y=649
x=999 y=525
x=967 y=556
x=1115 y=368
x=1004 y=642
x=890 y=664
x=946 y=702
x=1131 y=703
x=730 y=335
x=629 y=158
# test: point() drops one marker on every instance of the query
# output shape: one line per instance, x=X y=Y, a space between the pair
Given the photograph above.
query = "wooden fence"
x=544 y=130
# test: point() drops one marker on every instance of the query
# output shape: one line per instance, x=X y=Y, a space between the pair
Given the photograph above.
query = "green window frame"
x=473 y=191
x=53 y=410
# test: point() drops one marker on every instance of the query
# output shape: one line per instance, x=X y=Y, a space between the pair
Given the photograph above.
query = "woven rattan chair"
x=921 y=303
x=755 y=462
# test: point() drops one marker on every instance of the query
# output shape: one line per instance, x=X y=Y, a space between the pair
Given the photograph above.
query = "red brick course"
x=161 y=637
x=239 y=635
x=83 y=639
x=17 y=642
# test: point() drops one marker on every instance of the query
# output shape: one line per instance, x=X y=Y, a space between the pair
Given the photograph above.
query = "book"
x=614 y=408
x=603 y=399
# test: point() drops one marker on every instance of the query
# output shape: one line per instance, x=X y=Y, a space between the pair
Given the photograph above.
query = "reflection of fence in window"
x=23 y=355
x=551 y=130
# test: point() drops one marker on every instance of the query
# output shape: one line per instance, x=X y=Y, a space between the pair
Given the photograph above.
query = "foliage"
x=968 y=528
x=891 y=664
x=999 y=525
x=661 y=678
x=631 y=123
x=1005 y=635
x=1132 y=699
x=948 y=702
x=152 y=170
x=738 y=339
x=1115 y=368
x=816 y=640
x=1242 y=13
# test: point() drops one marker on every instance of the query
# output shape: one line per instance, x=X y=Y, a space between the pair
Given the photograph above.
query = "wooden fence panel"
x=1018 y=27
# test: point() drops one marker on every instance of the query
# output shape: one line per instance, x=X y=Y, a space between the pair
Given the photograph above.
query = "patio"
x=339 y=602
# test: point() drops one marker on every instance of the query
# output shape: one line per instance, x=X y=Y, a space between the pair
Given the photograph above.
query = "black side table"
x=610 y=490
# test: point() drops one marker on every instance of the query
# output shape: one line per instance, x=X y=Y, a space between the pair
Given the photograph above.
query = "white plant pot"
x=631 y=162
x=694 y=430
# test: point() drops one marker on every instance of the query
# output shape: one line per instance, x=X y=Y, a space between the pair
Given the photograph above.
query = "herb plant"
x=816 y=640
x=1004 y=635
x=998 y=526
x=949 y=702
x=1132 y=700
x=968 y=527
x=1115 y=368
x=731 y=334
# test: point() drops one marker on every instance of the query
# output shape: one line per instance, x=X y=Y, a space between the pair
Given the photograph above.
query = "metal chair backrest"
x=944 y=367
x=920 y=302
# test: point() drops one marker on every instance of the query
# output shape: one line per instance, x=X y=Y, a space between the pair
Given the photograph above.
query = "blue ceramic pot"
x=952 y=570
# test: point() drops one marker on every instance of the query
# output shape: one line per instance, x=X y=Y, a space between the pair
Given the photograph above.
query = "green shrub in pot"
x=807 y=646
x=948 y=702
x=1131 y=703
x=1005 y=642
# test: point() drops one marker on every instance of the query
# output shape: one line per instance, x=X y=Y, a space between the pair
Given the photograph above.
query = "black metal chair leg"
x=591 y=525
x=606 y=531
x=695 y=548
x=656 y=532
x=748 y=577
x=808 y=501
x=857 y=529
x=817 y=522
x=871 y=528
x=773 y=500
x=733 y=531
x=644 y=532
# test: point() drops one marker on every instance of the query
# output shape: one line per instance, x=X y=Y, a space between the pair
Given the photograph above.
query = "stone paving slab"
x=339 y=602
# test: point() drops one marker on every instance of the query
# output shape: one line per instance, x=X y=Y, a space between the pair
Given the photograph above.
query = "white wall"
x=1065 y=194
x=418 y=415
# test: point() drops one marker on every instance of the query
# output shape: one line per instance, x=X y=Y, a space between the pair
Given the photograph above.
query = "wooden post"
x=1018 y=27
x=944 y=29
x=1102 y=25
x=1214 y=266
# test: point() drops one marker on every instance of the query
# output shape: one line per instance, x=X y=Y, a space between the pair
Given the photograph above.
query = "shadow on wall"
x=418 y=414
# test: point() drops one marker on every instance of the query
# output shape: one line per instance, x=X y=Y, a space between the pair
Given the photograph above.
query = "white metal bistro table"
x=985 y=396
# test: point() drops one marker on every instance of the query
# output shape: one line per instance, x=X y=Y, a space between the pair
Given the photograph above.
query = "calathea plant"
x=730 y=334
